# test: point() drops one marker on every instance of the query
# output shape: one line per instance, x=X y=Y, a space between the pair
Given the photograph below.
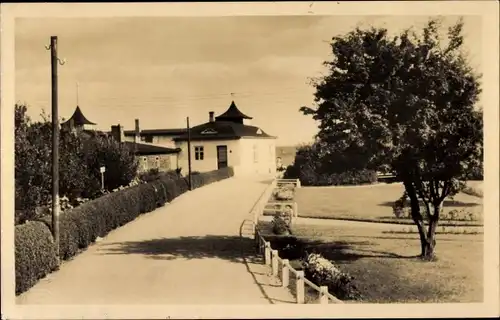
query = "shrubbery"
x=281 y=224
x=82 y=225
x=318 y=165
x=402 y=210
x=35 y=254
x=324 y=273
x=154 y=174
x=80 y=157
x=309 y=177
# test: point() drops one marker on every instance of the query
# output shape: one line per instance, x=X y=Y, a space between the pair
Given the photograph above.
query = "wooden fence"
x=290 y=278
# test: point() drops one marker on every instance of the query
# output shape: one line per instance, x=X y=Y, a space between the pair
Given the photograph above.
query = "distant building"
x=149 y=156
x=78 y=122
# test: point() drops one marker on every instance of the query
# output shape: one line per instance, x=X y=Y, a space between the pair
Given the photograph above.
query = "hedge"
x=35 y=254
x=312 y=178
x=80 y=226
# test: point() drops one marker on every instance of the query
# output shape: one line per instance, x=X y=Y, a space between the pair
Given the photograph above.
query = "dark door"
x=221 y=157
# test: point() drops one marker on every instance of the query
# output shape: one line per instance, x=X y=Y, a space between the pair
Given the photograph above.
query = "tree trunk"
x=430 y=243
x=417 y=218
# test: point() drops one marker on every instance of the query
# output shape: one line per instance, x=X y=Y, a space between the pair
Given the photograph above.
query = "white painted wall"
x=165 y=141
x=162 y=141
x=209 y=161
x=240 y=155
x=258 y=156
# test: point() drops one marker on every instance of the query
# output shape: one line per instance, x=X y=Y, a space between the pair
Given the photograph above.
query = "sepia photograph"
x=209 y=155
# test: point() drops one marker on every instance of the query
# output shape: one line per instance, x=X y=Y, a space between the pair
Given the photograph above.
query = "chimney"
x=211 y=116
x=137 y=137
x=117 y=133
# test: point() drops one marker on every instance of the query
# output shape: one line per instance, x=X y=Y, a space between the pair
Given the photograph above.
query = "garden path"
x=188 y=252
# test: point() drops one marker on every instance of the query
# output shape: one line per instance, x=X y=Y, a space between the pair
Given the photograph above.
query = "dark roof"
x=78 y=118
x=148 y=149
x=223 y=130
x=232 y=113
x=157 y=132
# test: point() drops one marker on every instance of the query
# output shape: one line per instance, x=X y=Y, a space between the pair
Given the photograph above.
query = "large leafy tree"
x=408 y=103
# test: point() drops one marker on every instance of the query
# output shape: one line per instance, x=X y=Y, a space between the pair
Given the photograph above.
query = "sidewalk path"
x=188 y=252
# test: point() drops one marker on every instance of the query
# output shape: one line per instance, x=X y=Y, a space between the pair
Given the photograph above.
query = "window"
x=157 y=162
x=149 y=139
x=198 y=153
x=145 y=163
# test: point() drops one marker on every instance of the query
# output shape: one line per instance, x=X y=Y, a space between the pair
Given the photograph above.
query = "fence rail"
x=290 y=278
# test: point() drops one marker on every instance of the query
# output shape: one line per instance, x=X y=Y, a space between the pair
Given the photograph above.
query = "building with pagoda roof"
x=227 y=140
x=78 y=122
x=230 y=140
x=149 y=156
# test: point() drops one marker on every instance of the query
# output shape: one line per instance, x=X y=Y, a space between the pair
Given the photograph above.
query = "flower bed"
x=323 y=272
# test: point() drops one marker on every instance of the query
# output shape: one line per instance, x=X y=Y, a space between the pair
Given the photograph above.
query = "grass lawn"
x=386 y=270
x=373 y=202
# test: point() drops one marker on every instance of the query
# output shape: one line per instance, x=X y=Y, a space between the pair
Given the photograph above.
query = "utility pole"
x=55 y=143
x=189 y=154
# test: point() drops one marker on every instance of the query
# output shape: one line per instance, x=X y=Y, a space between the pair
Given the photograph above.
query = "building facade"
x=149 y=156
x=228 y=140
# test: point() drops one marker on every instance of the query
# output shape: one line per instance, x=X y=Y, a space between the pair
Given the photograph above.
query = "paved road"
x=188 y=252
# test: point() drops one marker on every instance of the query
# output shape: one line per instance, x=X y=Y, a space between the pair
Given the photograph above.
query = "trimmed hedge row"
x=79 y=227
x=35 y=254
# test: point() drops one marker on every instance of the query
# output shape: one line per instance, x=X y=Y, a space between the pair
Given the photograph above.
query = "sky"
x=161 y=70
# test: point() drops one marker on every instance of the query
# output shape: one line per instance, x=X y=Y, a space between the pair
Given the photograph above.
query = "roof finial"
x=77 y=89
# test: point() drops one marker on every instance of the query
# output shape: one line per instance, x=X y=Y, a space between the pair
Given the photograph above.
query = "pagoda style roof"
x=78 y=118
x=224 y=130
x=232 y=113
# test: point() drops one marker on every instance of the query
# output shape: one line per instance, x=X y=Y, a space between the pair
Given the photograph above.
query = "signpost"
x=103 y=169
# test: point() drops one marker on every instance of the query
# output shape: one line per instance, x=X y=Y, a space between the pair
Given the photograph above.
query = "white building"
x=227 y=140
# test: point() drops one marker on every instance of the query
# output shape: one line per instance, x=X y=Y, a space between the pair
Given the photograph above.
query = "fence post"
x=323 y=295
x=295 y=209
x=299 y=286
x=285 y=273
x=267 y=253
x=274 y=262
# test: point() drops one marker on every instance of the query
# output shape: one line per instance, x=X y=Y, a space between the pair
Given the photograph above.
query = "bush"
x=35 y=254
x=288 y=246
x=284 y=195
x=310 y=177
x=324 y=273
x=154 y=174
x=280 y=226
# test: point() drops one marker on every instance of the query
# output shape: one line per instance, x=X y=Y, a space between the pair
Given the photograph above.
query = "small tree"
x=408 y=103
x=120 y=162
